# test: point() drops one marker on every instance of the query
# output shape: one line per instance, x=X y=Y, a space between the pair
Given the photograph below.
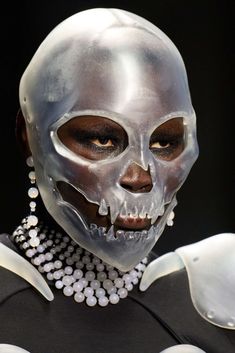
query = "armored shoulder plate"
x=12 y=261
x=210 y=265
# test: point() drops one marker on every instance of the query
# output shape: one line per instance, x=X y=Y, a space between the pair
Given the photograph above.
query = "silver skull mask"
x=112 y=64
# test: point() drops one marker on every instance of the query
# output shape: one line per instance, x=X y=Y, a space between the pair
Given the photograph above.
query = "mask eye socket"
x=167 y=141
x=93 y=137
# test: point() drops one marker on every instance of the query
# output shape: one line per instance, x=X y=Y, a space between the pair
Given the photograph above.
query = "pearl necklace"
x=74 y=270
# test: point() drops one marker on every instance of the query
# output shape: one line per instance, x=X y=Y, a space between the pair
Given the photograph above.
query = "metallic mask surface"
x=114 y=64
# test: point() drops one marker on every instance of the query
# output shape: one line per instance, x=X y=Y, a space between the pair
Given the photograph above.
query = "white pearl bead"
x=67 y=280
x=100 y=267
x=77 y=286
x=95 y=284
x=96 y=260
x=40 y=249
x=135 y=280
x=113 y=275
x=50 y=276
x=90 y=275
x=29 y=161
x=91 y=301
x=33 y=233
x=129 y=286
x=114 y=298
x=79 y=265
x=37 y=261
x=33 y=193
x=69 y=261
x=103 y=301
x=68 y=270
x=48 y=256
x=127 y=278
x=90 y=266
x=79 y=297
x=59 y=284
x=32 y=176
x=107 y=284
x=75 y=257
x=32 y=220
x=68 y=291
x=47 y=267
x=84 y=282
x=86 y=259
x=42 y=257
x=100 y=292
x=77 y=274
x=32 y=204
x=109 y=267
x=58 y=264
x=112 y=290
x=122 y=292
x=88 y=292
x=30 y=253
x=101 y=276
x=57 y=275
x=34 y=242
x=119 y=283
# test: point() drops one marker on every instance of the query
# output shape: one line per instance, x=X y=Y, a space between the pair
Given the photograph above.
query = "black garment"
x=149 y=321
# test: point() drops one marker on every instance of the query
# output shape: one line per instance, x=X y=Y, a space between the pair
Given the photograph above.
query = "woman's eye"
x=159 y=145
x=102 y=142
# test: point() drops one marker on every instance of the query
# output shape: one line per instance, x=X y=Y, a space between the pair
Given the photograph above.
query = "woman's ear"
x=21 y=135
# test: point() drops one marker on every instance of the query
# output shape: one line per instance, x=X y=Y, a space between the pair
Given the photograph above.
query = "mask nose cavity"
x=136 y=179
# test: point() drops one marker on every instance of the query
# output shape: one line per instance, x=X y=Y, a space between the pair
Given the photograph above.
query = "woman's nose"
x=136 y=179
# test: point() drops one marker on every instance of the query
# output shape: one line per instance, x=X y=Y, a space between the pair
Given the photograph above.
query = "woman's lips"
x=132 y=223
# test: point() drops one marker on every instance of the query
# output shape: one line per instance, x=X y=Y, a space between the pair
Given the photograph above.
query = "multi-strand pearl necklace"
x=74 y=270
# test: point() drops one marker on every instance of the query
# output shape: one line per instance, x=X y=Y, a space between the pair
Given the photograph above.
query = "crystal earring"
x=170 y=218
x=31 y=221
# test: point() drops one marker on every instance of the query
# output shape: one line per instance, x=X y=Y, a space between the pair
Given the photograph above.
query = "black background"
x=202 y=31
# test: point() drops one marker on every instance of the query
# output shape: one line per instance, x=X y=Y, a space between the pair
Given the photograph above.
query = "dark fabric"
x=149 y=322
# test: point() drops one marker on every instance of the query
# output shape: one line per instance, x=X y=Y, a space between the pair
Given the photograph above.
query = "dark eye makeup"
x=98 y=138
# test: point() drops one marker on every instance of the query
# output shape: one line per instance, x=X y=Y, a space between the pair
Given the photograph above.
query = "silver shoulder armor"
x=183 y=348
x=8 y=348
x=13 y=262
x=210 y=265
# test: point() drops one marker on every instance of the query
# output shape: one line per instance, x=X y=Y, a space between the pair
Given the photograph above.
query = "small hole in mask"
x=167 y=141
x=93 y=137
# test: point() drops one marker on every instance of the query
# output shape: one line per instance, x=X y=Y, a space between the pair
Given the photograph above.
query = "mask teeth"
x=111 y=234
x=103 y=209
x=93 y=226
x=135 y=214
x=129 y=235
x=150 y=213
x=143 y=213
x=101 y=231
x=123 y=212
x=120 y=233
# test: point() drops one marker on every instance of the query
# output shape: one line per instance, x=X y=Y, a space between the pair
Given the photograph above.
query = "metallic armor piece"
x=210 y=265
x=9 y=348
x=113 y=64
x=13 y=262
x=183 y=348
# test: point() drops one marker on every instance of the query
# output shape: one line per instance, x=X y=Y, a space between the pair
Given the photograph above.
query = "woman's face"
x=97 y=138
